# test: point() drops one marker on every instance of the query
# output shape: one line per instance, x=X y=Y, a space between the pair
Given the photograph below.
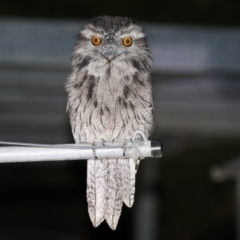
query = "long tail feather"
x=110 y=182
x=114 y=192
x=96 y=190
x=129 y=173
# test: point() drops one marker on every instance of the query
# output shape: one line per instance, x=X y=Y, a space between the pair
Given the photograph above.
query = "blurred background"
x=193 y=192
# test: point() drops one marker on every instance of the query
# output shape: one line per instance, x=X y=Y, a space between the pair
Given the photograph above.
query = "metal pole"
x=237 y=206
x=38 y=152
x=147 y=207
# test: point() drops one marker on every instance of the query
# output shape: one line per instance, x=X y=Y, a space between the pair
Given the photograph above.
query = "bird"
x=109 y=97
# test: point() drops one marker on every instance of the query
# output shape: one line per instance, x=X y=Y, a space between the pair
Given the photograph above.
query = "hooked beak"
x=110 y=52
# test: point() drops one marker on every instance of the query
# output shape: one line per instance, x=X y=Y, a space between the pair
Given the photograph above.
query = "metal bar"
x=39 y=152
x=237 y=207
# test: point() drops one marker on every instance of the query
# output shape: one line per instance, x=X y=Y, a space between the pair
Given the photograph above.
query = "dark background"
x=217 y=12
x=48 y=200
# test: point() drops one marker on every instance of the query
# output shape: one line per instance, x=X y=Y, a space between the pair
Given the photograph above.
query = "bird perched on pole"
x=109 y=98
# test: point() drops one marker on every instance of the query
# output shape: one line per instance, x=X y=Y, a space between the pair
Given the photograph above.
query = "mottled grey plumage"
x=109 y=98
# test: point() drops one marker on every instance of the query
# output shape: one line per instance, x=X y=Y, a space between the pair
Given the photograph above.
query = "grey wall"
x=196 y=74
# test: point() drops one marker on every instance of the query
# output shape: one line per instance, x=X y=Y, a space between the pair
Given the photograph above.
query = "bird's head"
x=111 y=40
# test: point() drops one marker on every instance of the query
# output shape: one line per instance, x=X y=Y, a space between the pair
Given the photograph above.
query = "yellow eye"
x=127 y=41
x=96 y=40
